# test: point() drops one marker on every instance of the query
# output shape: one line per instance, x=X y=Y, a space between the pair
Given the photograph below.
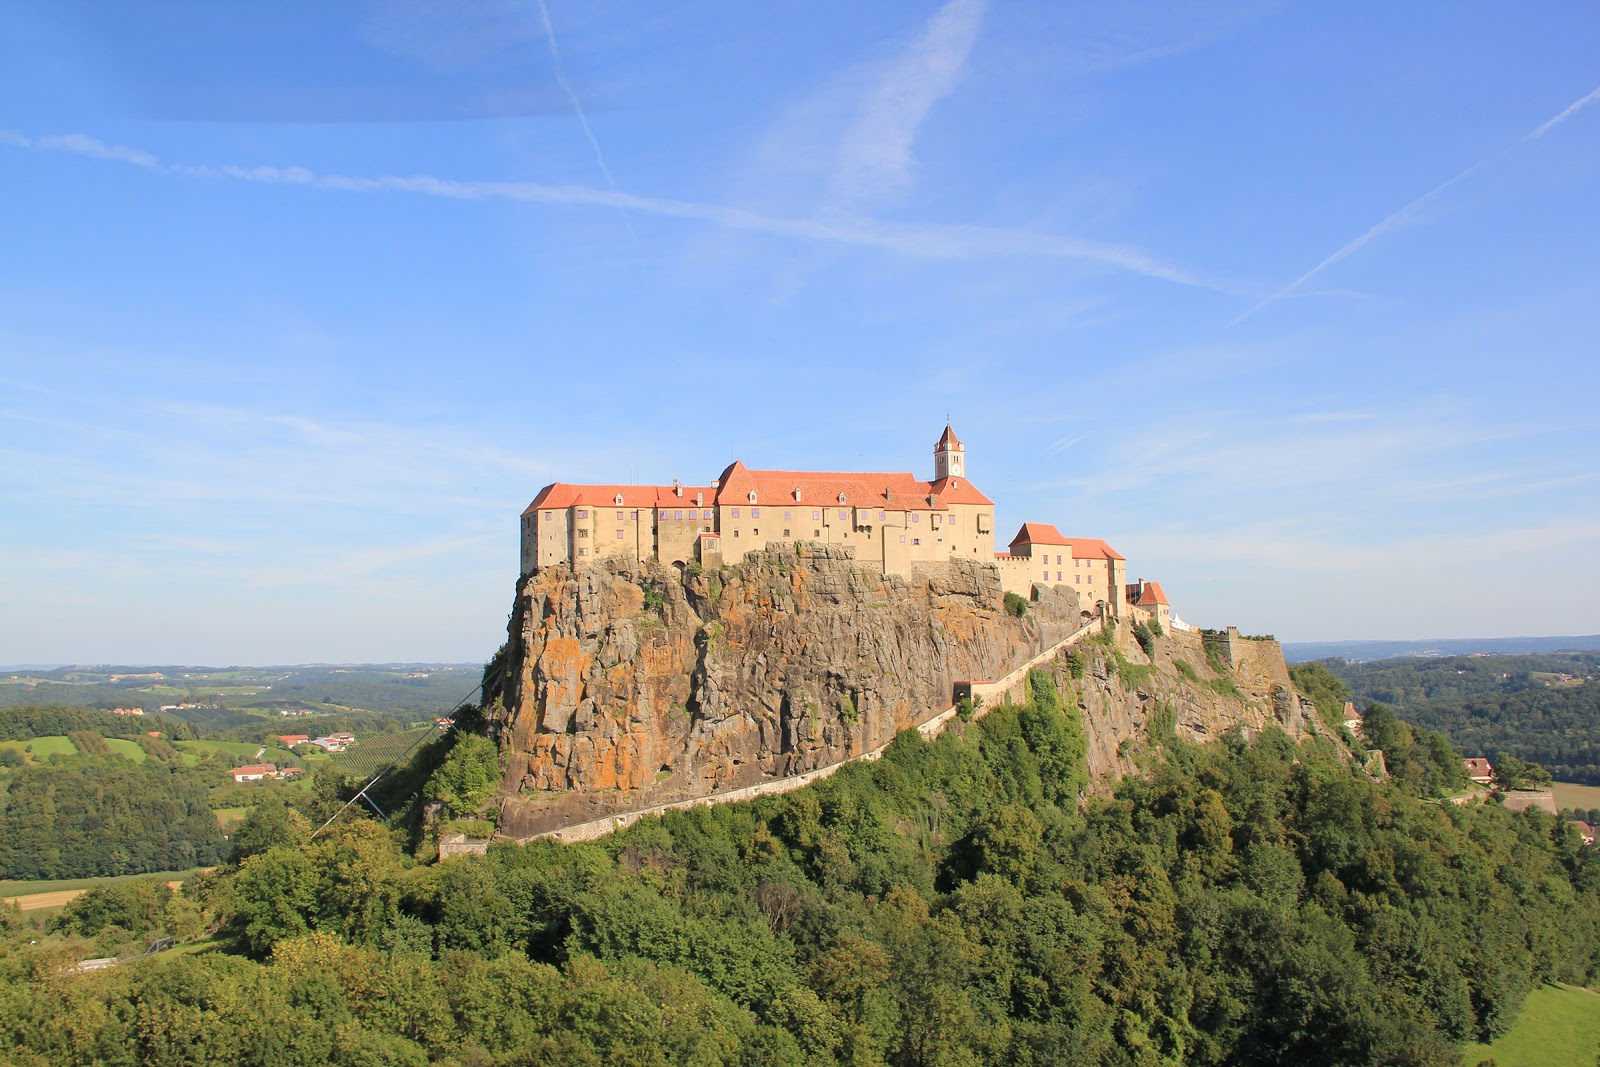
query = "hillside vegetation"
x=951 y=904
x=1520 y=706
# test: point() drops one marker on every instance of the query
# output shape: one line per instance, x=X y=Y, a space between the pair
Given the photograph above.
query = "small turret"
x=949 y=456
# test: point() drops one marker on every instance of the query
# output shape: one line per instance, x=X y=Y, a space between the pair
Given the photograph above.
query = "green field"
x=126 y=749
x=227 y=817
x=45 y=747
x=22 y=889
x=1559 y=1027
x=242 y=751
x=1572 y=795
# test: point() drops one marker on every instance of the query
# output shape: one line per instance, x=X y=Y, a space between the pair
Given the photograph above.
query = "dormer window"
x=752 y=496
x=619 y=500
x=841 y=496
x=700 y=498
x=797 y=494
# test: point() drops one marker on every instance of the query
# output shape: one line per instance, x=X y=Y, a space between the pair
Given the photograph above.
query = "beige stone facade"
x=892 y=522
x=1041 y=555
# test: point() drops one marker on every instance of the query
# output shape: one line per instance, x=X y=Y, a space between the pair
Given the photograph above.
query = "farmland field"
x=126 y=749
x=1572 y=795
x=42 y=748
x=28 y=888
x=1559 y=1027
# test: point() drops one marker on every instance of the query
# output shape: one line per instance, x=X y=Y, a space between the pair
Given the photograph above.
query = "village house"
x=255 y=772
x=892 y=521
x=1352 y=718
x=334 y=742
x=291 y=740
x=1479 y=771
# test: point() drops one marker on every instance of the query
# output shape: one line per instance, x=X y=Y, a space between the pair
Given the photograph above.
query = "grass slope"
x=1572 y=795
x=1559 y=1027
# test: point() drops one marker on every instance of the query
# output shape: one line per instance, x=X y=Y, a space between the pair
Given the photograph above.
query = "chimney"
x=677 y=487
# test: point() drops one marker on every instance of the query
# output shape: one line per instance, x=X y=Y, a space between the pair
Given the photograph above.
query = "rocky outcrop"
x=1127 y=696
x=623 y=689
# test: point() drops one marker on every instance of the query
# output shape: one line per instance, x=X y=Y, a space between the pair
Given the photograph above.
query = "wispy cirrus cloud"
x=1411 y=211
x=929 y=240
x=84 y=145
x=874 y=156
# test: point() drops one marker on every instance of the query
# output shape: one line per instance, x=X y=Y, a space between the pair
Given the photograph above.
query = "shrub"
x=1077 y=663
x=1185 y=671
x=1145 y=636
x=1016 y=606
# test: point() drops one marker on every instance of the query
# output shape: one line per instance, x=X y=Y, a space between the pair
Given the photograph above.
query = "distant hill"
x=1301 y=651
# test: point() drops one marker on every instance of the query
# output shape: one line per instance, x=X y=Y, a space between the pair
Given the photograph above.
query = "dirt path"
x=55 y=899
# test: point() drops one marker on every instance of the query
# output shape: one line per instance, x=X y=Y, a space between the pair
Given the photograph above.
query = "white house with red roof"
x=892 y=521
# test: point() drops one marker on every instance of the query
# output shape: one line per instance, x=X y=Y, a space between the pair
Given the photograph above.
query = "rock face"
x=623 y=690
x=1125 y=695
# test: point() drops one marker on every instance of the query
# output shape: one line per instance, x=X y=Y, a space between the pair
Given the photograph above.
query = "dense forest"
x=953 y=903
x=1519 y=706
x=104 y=815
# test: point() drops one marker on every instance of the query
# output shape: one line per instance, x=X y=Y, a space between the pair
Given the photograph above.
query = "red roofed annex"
x=891 y=520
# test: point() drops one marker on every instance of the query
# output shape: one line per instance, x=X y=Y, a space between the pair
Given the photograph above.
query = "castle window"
x=619 y=516
x=816 y=533
x=788 y=515
x=677 y=514
x=815 y=515
x=619 y=535
x=548 y=516
x=583 y=533
x=1047 y=576
x=843 y=514
x=663 y=516
x=916 y=518
x=736 y=513
x=786 y=532
x=752 y=496
x=880 y=516
x=583 y=514
x=916 y=540
x=583 y=551
x=1058 y=576
x=755 y=533
x=736 y=533
x=902 y=539
x=1079 y=577
x=755 y=513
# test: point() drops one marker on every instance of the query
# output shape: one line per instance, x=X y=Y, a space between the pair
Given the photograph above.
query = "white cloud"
x=84 y=145
x=874 y=156
x=920 y=240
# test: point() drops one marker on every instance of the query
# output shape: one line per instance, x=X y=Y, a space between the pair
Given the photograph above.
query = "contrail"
x=566 y=87
x=1404 y=214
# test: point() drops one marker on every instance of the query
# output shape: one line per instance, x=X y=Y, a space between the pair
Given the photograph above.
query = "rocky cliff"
x=624 y=689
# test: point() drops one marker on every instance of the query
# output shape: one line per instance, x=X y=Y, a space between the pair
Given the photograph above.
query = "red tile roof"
x=948 y=438
x=1151 y=595
x=1038 y=533
x=1043 y=533
x=559 y=495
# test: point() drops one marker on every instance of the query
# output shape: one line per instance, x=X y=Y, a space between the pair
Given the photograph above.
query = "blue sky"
x=1297 y=305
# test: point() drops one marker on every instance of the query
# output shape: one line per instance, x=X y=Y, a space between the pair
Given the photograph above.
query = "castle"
x=893 y=522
